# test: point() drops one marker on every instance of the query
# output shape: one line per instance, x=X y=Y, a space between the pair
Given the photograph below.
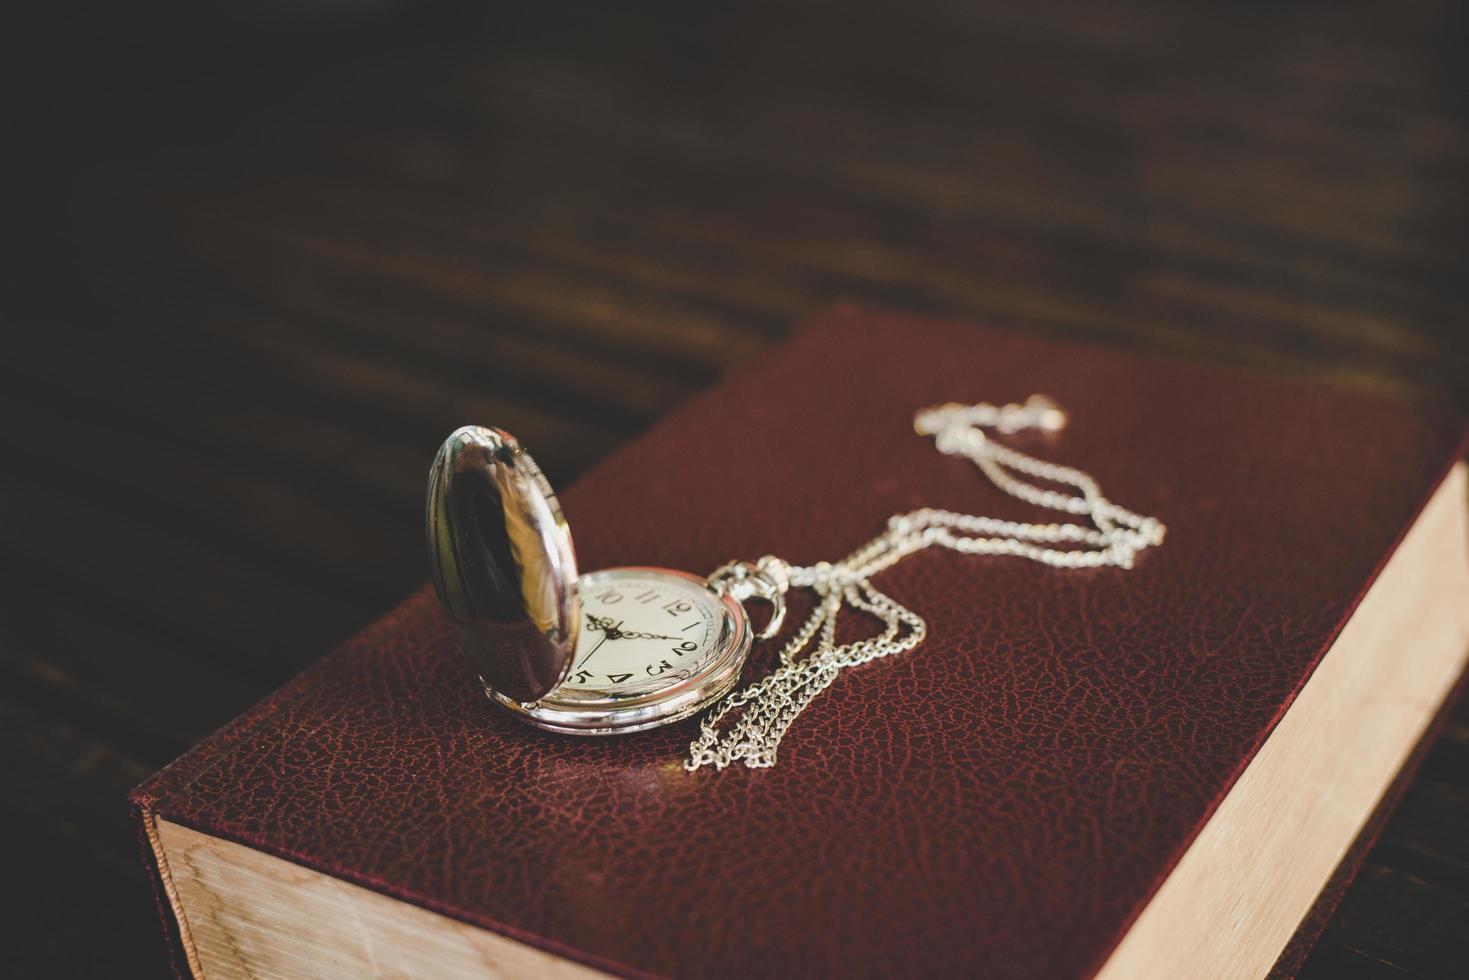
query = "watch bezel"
x=585 y=714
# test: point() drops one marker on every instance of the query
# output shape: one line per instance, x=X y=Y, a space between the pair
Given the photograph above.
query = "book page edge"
x=170 y=892
x=252 y=914
x=1206 y=918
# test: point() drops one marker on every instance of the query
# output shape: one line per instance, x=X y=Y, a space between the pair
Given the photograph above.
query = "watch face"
x=653 y=646
x=642 y=630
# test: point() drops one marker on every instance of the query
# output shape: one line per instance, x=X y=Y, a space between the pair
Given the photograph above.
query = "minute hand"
x=646 y=636
x=594 y=649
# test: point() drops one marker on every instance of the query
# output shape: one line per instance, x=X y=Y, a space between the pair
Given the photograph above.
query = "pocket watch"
x=616 y=650
x=624 y=649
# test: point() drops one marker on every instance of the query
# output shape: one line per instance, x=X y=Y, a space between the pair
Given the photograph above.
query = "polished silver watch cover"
x=616 y=650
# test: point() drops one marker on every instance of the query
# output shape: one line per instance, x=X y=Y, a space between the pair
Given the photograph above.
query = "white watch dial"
x=641 y=631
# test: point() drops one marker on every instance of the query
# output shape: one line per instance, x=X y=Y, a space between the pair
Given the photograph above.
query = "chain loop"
x=748 y=726
x=766 y=579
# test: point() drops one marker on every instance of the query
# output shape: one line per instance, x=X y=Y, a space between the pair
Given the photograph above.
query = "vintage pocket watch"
x=617 y=650
x=625 y=649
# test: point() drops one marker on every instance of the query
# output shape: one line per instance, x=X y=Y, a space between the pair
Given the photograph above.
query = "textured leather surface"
x=1001 y=801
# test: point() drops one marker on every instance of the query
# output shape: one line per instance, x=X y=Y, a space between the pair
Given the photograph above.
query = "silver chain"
x=747 y=726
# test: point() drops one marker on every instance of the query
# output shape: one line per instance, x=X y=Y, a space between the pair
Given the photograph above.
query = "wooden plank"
x=97 y=668
x=346 y=548
x=1392 y=924
x=80 y=903
x=68 y=788
x=1426 y=834
x=267 y=426
x=72 y=916
x=246 y=613
x=246 y=274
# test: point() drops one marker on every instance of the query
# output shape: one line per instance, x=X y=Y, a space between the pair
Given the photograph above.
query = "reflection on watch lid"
x=502 y=561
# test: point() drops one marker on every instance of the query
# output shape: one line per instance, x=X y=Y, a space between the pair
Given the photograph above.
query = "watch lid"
x=502 y=561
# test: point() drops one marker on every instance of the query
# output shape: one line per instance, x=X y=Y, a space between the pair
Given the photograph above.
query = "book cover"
x=1005 y=800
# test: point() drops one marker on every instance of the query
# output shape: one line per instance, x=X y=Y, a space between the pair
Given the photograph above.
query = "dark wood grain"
x=259 y=265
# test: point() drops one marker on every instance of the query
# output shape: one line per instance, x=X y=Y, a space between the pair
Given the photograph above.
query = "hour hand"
x=606 y=626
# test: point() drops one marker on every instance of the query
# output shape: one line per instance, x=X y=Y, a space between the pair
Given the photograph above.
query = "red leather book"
x=1057 y=782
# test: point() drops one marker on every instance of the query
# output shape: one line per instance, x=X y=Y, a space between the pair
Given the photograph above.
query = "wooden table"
x=264 y=266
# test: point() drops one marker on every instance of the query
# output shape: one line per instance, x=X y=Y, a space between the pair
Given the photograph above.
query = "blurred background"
x=261 y=258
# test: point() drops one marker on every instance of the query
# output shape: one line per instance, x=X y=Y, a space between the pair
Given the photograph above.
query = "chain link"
x=747 y=726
